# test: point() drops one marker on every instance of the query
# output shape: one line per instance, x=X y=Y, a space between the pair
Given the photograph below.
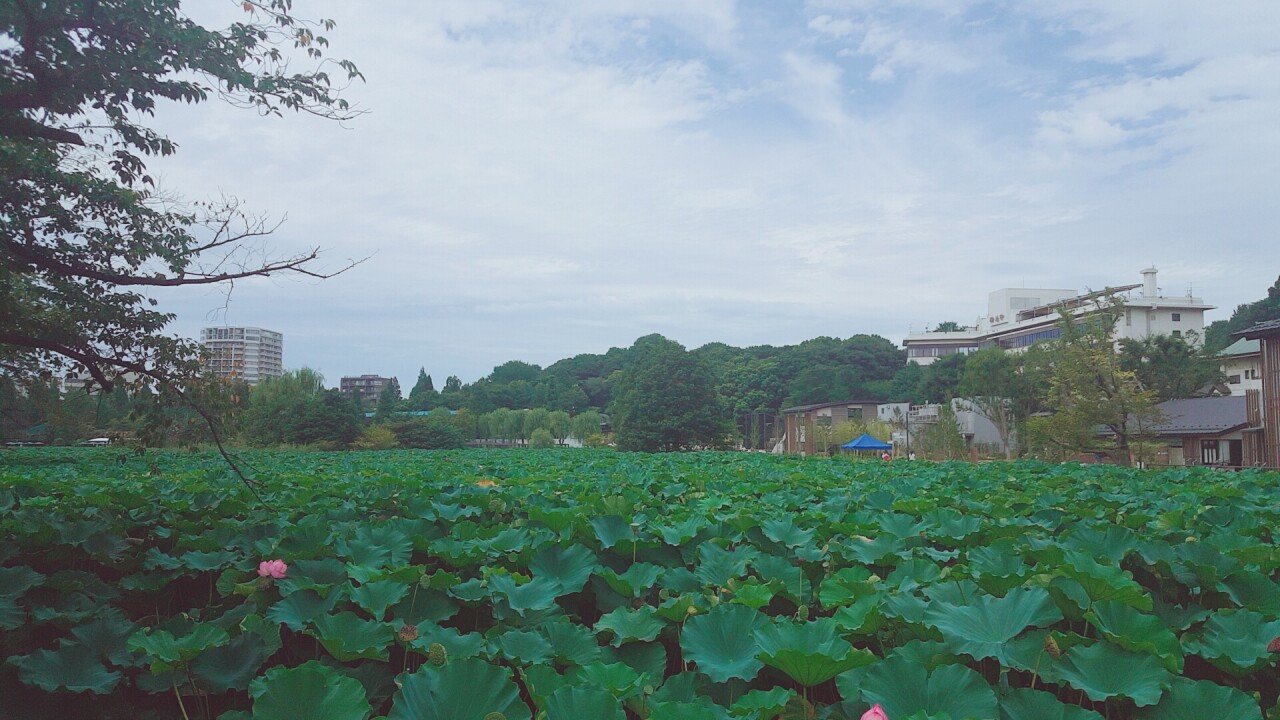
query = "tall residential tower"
x=251 y=354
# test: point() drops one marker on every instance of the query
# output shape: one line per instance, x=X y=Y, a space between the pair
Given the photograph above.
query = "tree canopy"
x=667 y=400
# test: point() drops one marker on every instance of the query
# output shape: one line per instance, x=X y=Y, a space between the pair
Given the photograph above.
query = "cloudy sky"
x=537 y=179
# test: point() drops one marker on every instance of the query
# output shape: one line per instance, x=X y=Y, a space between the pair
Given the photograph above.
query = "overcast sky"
x=534 y=180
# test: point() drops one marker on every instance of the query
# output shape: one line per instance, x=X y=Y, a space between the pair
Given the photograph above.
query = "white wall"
x=1249 y=370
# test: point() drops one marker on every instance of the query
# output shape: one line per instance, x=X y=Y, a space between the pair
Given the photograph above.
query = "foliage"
x=466 y=583
x=1219 y=334
x=427 y=433
x=666 y=401
x=1005 y=388
x=541 y=438
x=942 y=440
x=376 y=437
x=1170 y=366
x=85 y=233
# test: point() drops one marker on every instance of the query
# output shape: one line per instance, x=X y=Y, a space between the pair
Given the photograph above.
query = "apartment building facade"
x=1018 y=318
x=1241 y=363
x=364 y=390
x=251 y=354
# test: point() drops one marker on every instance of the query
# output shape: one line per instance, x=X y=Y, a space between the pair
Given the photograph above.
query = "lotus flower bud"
x=437 y=655
x=1274 y=645
x=1051 y=647
x=875 y=713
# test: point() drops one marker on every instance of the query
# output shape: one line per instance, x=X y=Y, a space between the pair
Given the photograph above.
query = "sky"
x=537 y=179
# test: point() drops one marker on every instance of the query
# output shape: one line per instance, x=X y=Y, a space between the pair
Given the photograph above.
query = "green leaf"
x=231 y=666
x=637 y=580
x=301 y=607
x=1103 y=671
x=538 y=594
x=1026 y=704
x=346 y=636
x=14 y=581
x=1133 y=630
x=628 y=625
x=71 y=667
x=108 y=636
x=526 y=648
x=717 y=566
x=722 y=642
x=982 y=627
x=1200 y=699
x=456 y=644
x=762 y=704
x=377 y=596
x=809 y=653
x=466 y=689
x=611 y=530
x=785 y=531
x=905 y=688
x=575 y=703
x=846 y=586
x=311 y=691
x=569 y=567
x=1235 y=640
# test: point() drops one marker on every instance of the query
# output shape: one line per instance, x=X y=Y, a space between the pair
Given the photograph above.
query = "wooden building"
x=804 y=425
x=1262 y=441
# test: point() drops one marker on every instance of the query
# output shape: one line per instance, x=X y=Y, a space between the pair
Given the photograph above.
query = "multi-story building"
x=251 y=354
x=1241 y=363
x=1018 y=318
x=364 y=389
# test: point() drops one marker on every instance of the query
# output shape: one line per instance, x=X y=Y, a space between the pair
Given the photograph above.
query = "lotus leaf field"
x=572 y=585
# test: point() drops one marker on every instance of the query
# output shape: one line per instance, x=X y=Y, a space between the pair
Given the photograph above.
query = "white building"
x=251 y=354
x=974 y=426
x=1021 y=317
x=1241 y=362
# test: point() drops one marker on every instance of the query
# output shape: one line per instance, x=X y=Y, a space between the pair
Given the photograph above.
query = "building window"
x=1233 y=379
x=1177 y=333
x=1177 y=317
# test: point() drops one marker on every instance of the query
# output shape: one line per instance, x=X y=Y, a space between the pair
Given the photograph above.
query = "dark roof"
x=1265 y=328
x=818 y=406
x=866 y=442
x=1243 y=346
x=1201 y=416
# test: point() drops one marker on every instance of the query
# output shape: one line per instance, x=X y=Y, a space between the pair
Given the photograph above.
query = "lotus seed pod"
x=1051 y=647
x=692 y=610
x=437 y=655
x=715 y=600
x=495 y=716
x=408 y=633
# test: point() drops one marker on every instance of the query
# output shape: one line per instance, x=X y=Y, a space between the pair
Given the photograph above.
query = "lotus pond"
x=571 y=585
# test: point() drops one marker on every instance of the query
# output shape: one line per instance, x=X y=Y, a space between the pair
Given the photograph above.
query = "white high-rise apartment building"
x=251 y=354
x=1018 y=318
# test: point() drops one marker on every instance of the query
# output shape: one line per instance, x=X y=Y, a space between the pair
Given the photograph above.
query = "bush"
x=376 y=437
x=596 y=441
x=427 y=433
x=541 y=438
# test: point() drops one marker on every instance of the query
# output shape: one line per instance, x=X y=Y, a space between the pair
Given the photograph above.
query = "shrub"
x=541 y=438
x=428 y=433
x=376 y=437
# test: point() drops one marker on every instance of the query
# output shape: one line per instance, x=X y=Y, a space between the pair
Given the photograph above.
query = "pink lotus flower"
x=272 y=568
x=875 y=713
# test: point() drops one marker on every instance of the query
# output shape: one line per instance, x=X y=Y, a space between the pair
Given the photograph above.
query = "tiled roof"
x=1243 y=346
x=1201 y=416
x=817 y=406
x=1264 y=328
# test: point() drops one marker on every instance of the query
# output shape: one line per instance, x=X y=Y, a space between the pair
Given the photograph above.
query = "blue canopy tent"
x=866 y=443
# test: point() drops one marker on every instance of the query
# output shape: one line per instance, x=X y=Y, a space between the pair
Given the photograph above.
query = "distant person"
x=911 y=455
x=886 y=456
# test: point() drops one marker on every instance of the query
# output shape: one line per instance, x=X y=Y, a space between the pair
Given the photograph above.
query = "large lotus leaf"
x=700 y=709
x=1105 y=582
x=231 y=666
x=569 y=567
x=1253 y=591
x=379 y=595
x=905 y=689
x=207 y=561
x=1200 y=699
x=753 y=594
x=611 y=530
x=571 y=644
x=717 y=566
x=1103 y=671
x=460 y=690
x=1000 y=559
x=646 y=658
x=620 y=679
x=72 y=667
x=1137 y=631
x=862 y=617
x=301 y=607
x=871 y=551
x=433 y=605
x=1235 y=640
x=846 y=586
x=538 y=594
x=508 y=540
x=638 y=579
x=16 y=580
x=913 y=573
x=576 y=703
x=108 y=636
x=628 y=625
x=762 y=704
x=809 y=653
x=310 y=691
x=346 y=636
x=525 y=647
x=455 y=643
x=723 y=642
x=164 y=650
x=1110 y=545
x=983 y=626
x=785 y=531
x=1026 y=704
x=11 y=614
